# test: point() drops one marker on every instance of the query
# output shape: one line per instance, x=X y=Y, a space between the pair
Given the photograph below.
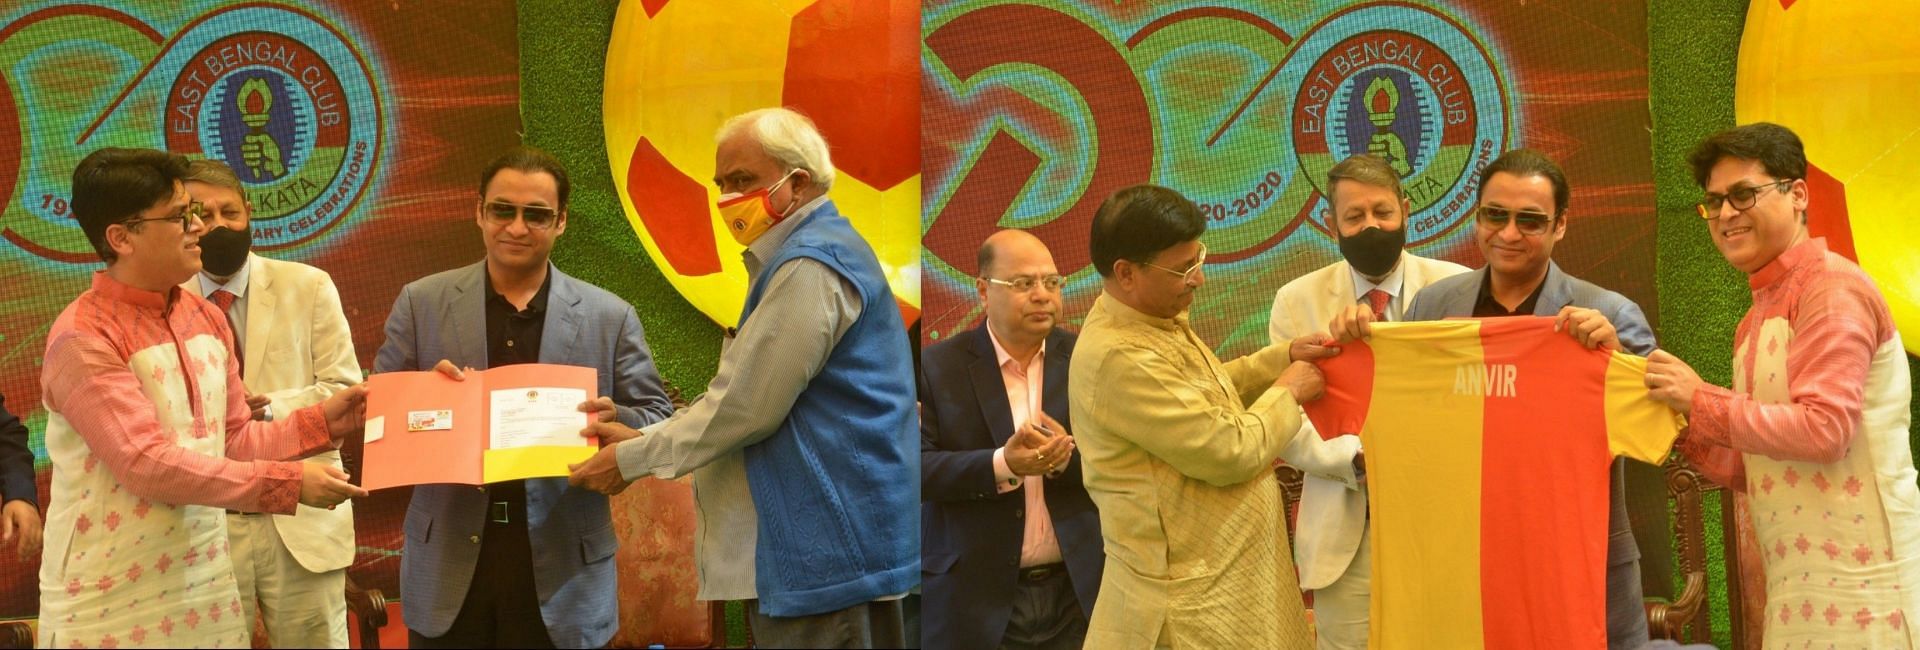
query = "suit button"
x=1018 y=513
x=481 y=488
x=475 y=539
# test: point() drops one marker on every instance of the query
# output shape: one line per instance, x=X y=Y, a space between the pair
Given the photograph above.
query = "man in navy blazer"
x=1011 y=553
x=518 y=564
x=1522 y=213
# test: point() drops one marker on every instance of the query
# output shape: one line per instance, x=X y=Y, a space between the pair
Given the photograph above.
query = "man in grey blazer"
x=1522 y=213
x=521 y=564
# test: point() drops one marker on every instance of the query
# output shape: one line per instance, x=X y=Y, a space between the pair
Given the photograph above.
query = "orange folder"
x=501 y=424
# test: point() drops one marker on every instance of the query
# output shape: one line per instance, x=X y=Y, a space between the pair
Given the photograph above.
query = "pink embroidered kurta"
x=150 y=438
x=1815 y=431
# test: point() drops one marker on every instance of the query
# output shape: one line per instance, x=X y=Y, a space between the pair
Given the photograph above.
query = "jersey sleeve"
x=1638 y=427
x=1342 y=410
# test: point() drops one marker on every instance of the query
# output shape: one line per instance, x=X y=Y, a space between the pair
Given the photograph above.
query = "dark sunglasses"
x=538 y=217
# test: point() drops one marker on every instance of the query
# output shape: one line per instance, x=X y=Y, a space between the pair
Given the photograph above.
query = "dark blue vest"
x=837 y=486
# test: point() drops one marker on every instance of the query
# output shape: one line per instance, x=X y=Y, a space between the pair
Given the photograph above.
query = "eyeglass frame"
x=520 y=212
x=193 y=210
x=1057 y=282
x=1753 y=198
x=1512 y=218
x=1186 y=275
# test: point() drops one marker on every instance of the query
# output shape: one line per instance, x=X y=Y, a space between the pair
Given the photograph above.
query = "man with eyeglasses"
x=1521 y=214
x=1367 y=211
x=1011 y=543
x=149 y=430
x=1177 y=448
x=291 y=570
x=802 y=447
x=517 y=564
x=1817 y=419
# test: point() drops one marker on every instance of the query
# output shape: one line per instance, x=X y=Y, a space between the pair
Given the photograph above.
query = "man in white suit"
x=1369 y=215
x=295 y=350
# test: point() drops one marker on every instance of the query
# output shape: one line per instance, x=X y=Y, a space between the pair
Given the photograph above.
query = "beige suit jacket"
x=1333 y=505
x=298 y=353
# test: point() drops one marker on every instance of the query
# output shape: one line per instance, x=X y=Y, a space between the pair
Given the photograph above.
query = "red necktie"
x=1378 y=300
x=224 y=300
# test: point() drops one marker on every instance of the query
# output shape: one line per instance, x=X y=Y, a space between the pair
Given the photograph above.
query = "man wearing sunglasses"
x=802 y=447
x=1367 y=212
x=517 y=564
x=1521 y=214
x=1012 y=555
x=1817 y=419
x=291 y=570
x=1177 y=448
x=147 y=419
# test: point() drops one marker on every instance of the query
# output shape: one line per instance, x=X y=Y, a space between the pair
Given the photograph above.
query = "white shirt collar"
x=236 y=285
x=1390 y=284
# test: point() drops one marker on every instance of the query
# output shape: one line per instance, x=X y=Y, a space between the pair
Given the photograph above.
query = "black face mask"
x=223 y=251
x=1373 y=251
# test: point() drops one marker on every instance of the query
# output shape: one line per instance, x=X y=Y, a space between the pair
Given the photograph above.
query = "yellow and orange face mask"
x=750 y=214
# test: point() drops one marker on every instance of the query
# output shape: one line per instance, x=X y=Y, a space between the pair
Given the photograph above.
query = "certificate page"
x=534 y=420
x=537 y=416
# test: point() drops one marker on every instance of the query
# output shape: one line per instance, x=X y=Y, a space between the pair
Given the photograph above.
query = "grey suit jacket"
x=1454 y=297
x=443 y=316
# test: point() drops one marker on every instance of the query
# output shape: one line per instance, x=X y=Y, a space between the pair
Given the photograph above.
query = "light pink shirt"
x=1038 y=545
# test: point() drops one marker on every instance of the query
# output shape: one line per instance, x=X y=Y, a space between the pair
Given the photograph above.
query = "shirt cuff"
x=312 y=425
x=282 y=492
x=1004 y=480
x=638 y=458
x=1711 y=422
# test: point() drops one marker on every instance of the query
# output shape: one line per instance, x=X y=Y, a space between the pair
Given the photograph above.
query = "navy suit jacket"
x=16 y=460
x=1454 y=297
x=970 y=533
x=443 y=316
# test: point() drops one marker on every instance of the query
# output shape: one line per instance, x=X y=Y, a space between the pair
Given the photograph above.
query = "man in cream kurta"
x=1178 y=447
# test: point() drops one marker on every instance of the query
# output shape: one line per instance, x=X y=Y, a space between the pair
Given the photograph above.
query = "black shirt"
x=513 y=337
x=1488 y=306
x=513 y=334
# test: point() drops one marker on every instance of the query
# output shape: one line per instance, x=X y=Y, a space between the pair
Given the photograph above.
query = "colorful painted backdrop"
x=1034 y=112
x=357 y=133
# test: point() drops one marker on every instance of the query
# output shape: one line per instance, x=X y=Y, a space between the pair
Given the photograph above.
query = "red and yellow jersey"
x=1488 y=448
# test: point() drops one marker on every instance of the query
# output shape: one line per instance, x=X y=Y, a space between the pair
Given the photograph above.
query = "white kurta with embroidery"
x=150 y=440
x=1815 y=431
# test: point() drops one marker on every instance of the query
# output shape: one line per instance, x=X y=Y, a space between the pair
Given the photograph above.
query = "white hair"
x=788 y=136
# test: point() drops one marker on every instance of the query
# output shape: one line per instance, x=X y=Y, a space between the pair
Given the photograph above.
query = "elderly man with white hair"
x=803 y=448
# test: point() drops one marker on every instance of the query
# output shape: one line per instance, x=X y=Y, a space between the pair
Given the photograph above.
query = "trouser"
x=876 y=624
x=1046 y=612
x=1341 y=609
x=301 y=609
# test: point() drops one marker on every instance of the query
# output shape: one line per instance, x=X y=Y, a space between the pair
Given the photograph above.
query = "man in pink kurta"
x=1814 y=431
x=150 y=434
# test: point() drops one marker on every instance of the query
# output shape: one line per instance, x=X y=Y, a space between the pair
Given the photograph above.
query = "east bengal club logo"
x=1424 y=94
x=279 y=93
x=293 y=111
